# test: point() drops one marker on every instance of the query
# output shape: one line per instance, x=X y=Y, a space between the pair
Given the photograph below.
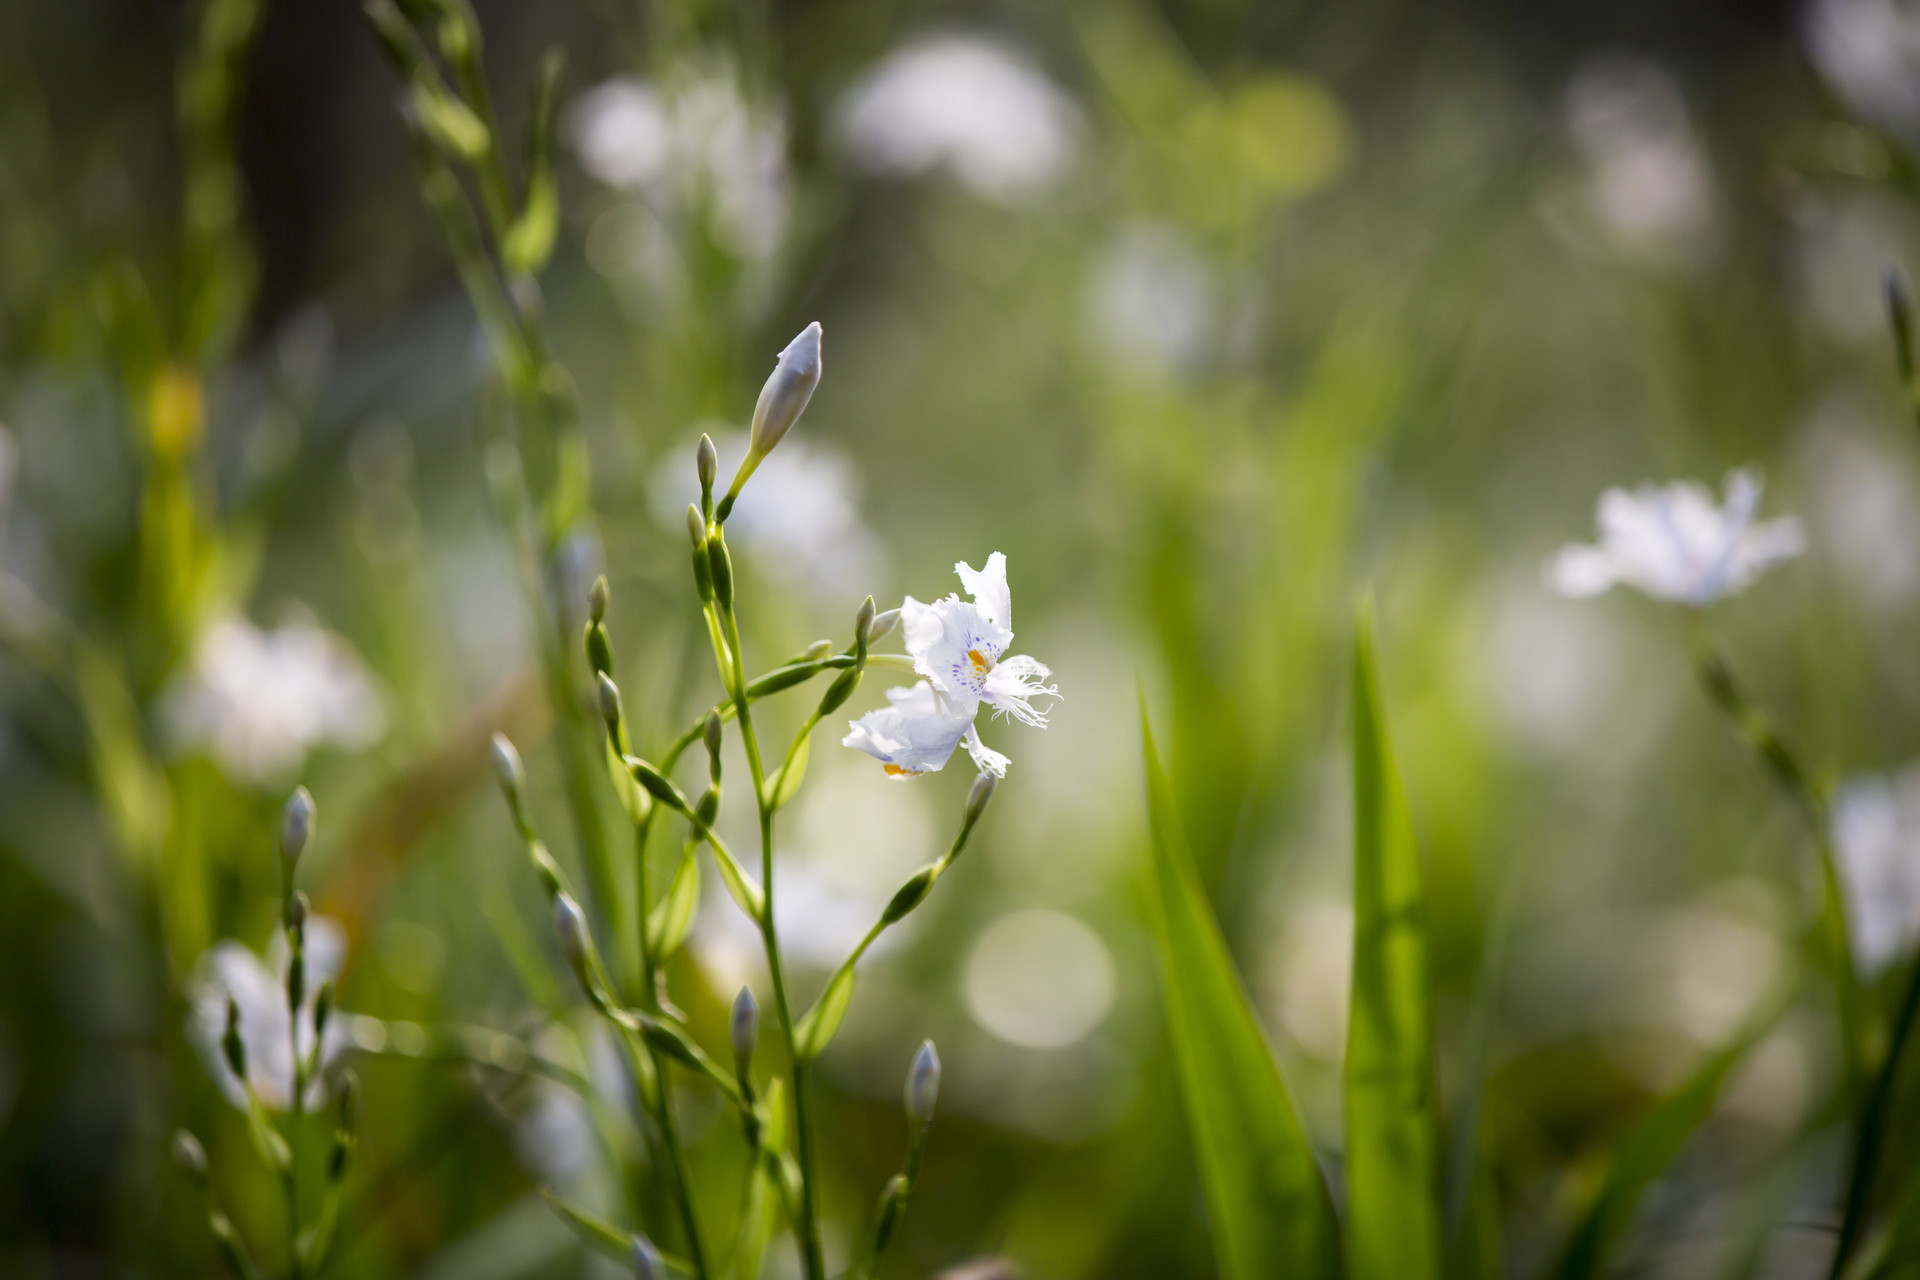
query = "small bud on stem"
x=231 y=1045
x=597 y=599
x=609 y=694
x=923 y=1084
x=702 y=566
x=782 y=400
x=296 y=825
x=507 y=766
x=743 y=1028
x=882 y=624
x=571 y=926
x=190 y=1155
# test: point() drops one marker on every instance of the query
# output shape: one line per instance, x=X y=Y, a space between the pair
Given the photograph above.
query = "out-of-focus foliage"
x=1205 y=314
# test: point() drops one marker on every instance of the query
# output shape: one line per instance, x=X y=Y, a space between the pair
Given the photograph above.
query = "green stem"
x=1756 y=728
x=809 y=1224
x=1873 y=1117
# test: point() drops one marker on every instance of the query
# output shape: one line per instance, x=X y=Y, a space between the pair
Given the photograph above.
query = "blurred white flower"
x=1876 y=841
x=1674 y=544
x=259 y=989
x=1552 y=669
x=696 y=138
x=556 y=1137
x=258 y=701
x=1039 y=979
x=820 y=921
x=1869 y=51
x=965 y=104
x=801 y=513
x=1152 y=301
x=1651 y=184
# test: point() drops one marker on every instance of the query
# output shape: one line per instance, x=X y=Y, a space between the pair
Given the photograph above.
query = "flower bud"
x=923 y=1084
x=720 y=561
x=609 y=698
x=599 y=650
x=231 y=1045
x=347 y=1107
x=1900 y=317
x=743 y=1027
x=228 y=1242
x=708 y=807
x=702 y=567
x=839 y=691
x=882 y=624
x=818 y=650
x=297 y=910
x=982 y=792
x=322 y=1009
x=597 y=599
x=784 y=397
x=506 y=764
x=646 y=1261
x=706 y=460
x=657 y=784
x=863 y=619
x=189 y=1155
x=782 y=400
x=893 y=1205
x=910 y=895
x=549 y=869
x=296 y=825
x=571 y=926
x=710 y=734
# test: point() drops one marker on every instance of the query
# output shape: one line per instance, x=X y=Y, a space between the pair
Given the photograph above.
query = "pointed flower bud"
x=190 y=1155
x=818 y=650
x=782 y=400
x=297 y=909
x=506 y=764
x=882 y=624
x=706 y=459
x=322 y=1009
x=982 y=792
x=863 y=620
x=571 y=926
x=923 y=1084
x=609 y=693
x=743 y=1027
x=646 y=1261
x=702 y=567
x=784 y=397
x=711 y=733
x=597 y=599
x=296 y=825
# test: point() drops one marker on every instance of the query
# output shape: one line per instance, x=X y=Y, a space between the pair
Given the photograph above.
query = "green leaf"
x=1651 y=1145
x=1393 y=1136
x=782 y=785
x=745 y=893
x=672 y=917
x=1267 y=1204
x=529 y=241
x=817 y=1029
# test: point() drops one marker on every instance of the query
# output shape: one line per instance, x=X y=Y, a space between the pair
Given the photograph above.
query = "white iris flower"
x=960 y=648
x=1674 y=544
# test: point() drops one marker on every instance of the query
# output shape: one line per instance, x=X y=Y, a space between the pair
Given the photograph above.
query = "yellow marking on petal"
x=896 y=771
x=981 y=663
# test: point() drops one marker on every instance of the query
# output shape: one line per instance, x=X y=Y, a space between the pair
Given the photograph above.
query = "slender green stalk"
x=809 y=1223
x=1873 y=1119
x=1756 y=728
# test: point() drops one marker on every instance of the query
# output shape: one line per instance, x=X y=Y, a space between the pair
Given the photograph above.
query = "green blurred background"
x=1205 y=314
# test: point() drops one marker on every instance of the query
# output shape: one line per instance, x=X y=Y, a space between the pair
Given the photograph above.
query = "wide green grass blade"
x=1267 y=1205
x=1393 y=1132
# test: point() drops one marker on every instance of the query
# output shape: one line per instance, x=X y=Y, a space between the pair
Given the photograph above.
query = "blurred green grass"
x=1323 y=296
